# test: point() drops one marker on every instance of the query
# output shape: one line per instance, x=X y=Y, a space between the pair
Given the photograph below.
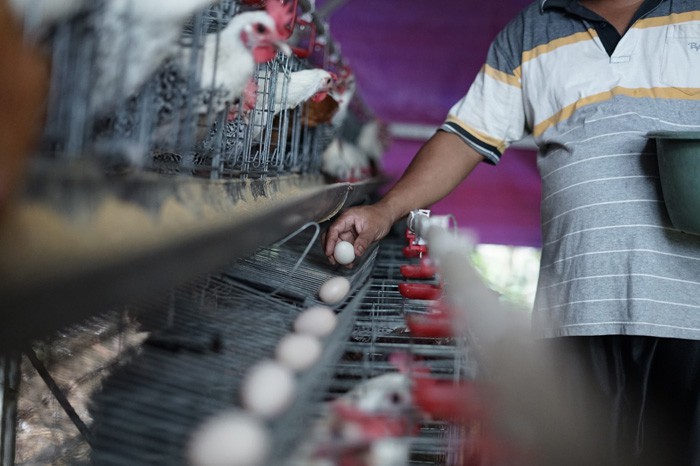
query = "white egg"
x=318 y=321
x=268 y=389
x=231 y=438
x=334 y=290
x=298 y=351
x=390 y=451
x=344 y=252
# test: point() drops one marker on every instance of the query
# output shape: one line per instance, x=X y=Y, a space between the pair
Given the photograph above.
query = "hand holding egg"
x=344 y=252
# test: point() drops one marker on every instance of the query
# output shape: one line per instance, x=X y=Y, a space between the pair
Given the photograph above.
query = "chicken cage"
x=166 y=240
x=109 y=100
x=182 y=356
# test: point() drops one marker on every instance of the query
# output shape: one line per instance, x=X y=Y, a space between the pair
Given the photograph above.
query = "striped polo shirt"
x=612 y=263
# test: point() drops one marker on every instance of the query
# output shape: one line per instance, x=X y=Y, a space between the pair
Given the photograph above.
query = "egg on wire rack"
x=344 y=252
x=230 y=438
x=268 y=389
x=298 y=351
x=334 y=290
x=318 y=321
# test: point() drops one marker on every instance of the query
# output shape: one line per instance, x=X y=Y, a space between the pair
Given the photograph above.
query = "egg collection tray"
x=201 y=342
x=379 y=331
x=205 y=336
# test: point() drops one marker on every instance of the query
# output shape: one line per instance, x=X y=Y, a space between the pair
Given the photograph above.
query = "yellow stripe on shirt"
x=637 y=93
x=501 y=76
x=557 y=43
x=673 y=18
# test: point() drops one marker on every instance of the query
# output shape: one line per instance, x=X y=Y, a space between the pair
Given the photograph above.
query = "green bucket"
x=679 y=169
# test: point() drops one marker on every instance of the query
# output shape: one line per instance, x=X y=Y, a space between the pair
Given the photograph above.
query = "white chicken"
x=373 y=141
x=387 y=394
x=369 y=140
x=290 y=92
x=230 y=57
x=134 y=39
x=343 y=94
x=301 y=86
x=227 y=60
x=369 y=426
x=344 y=161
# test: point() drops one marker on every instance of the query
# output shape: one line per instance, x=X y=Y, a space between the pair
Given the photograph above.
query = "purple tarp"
x=501 y=203
x=415 y=58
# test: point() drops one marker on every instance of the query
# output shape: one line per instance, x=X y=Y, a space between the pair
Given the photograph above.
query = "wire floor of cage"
x=206 y=335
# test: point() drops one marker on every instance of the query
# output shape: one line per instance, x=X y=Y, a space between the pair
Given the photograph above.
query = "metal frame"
x=9 y=389
x=32 y=310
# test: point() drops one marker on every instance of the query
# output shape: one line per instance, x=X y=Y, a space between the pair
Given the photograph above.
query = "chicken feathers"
x=135 y=38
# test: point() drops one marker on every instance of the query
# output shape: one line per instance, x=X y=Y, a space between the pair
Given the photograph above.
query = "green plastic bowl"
x=679 y=169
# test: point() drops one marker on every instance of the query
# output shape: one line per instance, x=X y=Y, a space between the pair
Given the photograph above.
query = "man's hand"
x=440 y=165
x=358 y=225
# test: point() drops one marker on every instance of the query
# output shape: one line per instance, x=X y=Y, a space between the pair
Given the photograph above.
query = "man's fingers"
x=329 y=243
x=341 y=229
x=362 y=242
x=348 y=236
x=356 y=226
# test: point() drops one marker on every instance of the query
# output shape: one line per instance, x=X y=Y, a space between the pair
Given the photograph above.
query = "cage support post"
x=9 y=386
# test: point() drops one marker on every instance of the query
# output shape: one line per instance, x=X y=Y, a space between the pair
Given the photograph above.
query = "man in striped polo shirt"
x=589 y=80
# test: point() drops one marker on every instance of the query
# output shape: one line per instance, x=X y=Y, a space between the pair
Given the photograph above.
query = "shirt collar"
x=549 y=4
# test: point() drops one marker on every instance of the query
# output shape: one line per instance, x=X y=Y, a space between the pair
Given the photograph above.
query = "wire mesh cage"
x=201 y=346
x=135 y=89
x=180 y=358
x=379 y=423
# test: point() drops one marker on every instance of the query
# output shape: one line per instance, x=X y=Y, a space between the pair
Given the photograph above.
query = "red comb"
x=283 y=15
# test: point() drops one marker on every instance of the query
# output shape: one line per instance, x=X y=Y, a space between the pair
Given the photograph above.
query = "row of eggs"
x=239 y=437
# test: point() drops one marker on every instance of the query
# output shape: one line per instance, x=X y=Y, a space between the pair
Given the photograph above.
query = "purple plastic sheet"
x=413 y=60
x=500 y=204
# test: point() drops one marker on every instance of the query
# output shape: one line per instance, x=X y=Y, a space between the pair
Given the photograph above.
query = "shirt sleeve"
x=491 y=116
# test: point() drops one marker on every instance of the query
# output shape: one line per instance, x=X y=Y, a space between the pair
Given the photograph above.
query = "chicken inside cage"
x=192 y=85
